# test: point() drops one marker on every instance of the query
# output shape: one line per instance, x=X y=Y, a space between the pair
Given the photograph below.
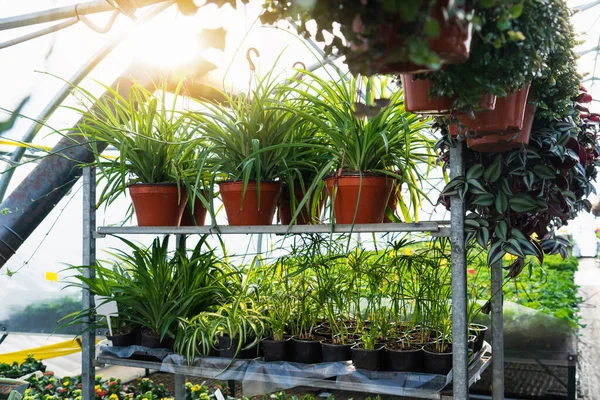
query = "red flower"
x=49 y=373
x=49 y=387
x=61 y=390
x=471 y=271
x=584 y=98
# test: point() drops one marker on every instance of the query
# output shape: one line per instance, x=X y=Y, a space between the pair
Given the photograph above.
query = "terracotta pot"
x=507 y=117
x=250 y=212
x=452 y=45
x=304 y=218
x=417 y=98
x=374 y=195
x=159 y=204
x=392 y=204
x=199 y=215
x=504 y=142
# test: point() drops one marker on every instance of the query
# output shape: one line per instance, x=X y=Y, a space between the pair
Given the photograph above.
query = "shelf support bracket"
x=497 y=332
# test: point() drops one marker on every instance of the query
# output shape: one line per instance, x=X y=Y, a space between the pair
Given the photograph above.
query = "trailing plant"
x=371 y=33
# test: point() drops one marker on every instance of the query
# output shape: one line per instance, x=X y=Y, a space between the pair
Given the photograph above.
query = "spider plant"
x=364 y=134
x=194 y=337
x=149 y=132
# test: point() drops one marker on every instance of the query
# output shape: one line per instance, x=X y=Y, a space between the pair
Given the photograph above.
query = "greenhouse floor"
x=588 y=278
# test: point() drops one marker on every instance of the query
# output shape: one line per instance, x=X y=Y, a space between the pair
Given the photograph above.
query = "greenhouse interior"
x=264 y=199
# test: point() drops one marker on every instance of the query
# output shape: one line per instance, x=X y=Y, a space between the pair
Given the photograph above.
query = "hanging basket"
x=504 y=142
x=452 y=45
x=506 y=118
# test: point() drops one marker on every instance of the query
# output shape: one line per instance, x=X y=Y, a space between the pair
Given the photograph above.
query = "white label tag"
x=219 y=395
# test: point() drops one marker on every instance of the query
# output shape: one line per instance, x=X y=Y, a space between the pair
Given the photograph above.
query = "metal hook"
x=301 y=64
x=250 y=62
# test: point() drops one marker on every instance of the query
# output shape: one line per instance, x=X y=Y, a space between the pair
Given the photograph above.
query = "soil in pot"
x=374 y=193
x=371 y=360
x=307 y=351
x=124 y=340
x=479 y=331
x=437 y=362
x=503 y=142
x=197 y=217
x=276 y=350
x=423 y=336
x=304 y=218
x=151 y=340
x=228 y=348
x=249 y=211
x=324 y=332
x=333 y=352
x=400 y=356
x=160 y=204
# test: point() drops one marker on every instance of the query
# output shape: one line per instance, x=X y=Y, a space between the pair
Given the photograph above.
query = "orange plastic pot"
x=392 y=203
x=506 y=118
x=371 y=195
x=417 y=99
x=504 y=142
x=196 y=218
x=452 y=45
x=304 y=218
x=159 y=204
x=248 y=210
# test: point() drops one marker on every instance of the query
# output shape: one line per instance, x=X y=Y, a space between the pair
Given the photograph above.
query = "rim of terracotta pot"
x=252 y=181
x=354 y=174
x=142 y=184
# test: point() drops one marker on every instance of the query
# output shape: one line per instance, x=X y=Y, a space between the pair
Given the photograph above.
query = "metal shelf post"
x=460 y=360
x=497 y=332
x=88 y=343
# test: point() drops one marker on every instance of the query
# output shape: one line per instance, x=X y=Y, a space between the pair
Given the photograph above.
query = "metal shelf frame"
x=456 y=232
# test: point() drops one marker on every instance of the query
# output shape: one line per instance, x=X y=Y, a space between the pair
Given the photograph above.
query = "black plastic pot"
x=323 y=331
x=437 y=363
x=479 y=331
x=129 y=339
x=154 y=342
x=371 y=360
x=228 y=348
x=410 y=360
x=336 y=352
x=276 y=350
x=307 y=351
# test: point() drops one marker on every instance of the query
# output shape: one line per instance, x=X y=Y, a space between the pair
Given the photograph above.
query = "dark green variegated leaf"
x=505 y=187
x=484 y=200
x=495 y=254
x=475 y=172
x=522 y=203
x=501 y=203
x=471 y=223
x=544 y=172
x=493 y=172
x=513 y=247
x=476 y=187
x=483 y=236
x=501 y=230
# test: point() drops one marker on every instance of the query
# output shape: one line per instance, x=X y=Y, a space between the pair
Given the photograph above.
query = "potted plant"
x=250 y=137
x=151 y=140
x=370 y=146
x=368 y=352
x=508 y=51
x=384 y=37
x=194 y=338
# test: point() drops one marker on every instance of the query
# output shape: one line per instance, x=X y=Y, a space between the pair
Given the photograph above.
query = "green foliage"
x=16 y=370
x=375 y=33
x=152 y=137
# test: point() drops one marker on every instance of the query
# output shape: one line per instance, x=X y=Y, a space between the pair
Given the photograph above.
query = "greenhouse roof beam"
x=587 y=6
x=60 y=13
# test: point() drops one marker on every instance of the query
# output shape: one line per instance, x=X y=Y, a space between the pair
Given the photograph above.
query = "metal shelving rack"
x=461 y=377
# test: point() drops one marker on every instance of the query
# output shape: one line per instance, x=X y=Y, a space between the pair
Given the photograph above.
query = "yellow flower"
x=78 y=398
x=66 y=383
x=27 y=390
x=145 y=398
x=196 y=388
x=407 y=252
x=114 y=397
x=97 y=387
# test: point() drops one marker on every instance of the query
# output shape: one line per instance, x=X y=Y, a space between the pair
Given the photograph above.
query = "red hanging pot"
x=507 y=117
x=159 y=204
x=248 y=210
x=371 y=195
x=452 y=45
x=304 y=218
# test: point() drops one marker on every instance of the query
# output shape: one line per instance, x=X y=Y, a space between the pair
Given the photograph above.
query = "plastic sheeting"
x=259 y=377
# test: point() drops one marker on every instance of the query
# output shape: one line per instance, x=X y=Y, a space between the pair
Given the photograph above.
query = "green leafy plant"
x=152 y=136
x=371 y=34
x=374 y=136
